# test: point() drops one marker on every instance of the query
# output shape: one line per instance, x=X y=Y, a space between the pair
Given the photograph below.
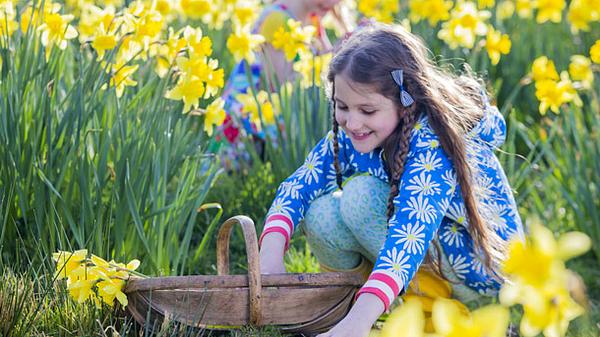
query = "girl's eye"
x=368 y=112
x=341 y=107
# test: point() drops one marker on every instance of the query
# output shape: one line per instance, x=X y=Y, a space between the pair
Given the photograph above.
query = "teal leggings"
x=345 y=226
x=341 y=227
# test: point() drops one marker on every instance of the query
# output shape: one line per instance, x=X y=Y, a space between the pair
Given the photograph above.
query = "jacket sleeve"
x=314 y=178
x=422 y=202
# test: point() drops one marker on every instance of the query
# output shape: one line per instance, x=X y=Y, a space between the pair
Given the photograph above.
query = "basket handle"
x=254 y=280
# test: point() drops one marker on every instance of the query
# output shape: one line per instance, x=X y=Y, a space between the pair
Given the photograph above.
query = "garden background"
x=107 y=141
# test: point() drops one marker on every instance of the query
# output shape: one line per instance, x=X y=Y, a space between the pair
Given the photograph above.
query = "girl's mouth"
x=360 y=135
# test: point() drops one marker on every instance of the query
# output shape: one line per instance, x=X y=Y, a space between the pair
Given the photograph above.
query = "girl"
x=273 y=66
x=411 y=152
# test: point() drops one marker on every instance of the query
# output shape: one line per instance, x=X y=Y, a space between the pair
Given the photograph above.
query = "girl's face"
x=366 y=116
x=321 y=7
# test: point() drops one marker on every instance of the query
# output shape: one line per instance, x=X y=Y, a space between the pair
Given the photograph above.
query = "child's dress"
x=429 y=203
x=240 y=81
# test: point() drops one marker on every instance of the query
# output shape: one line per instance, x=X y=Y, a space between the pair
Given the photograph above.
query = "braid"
x=402 y=145
x=336 y=147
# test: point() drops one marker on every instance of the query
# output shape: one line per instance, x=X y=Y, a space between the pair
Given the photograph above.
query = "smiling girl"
x=406 y=186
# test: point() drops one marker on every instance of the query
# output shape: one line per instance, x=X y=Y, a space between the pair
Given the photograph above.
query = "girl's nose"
x=353 y=122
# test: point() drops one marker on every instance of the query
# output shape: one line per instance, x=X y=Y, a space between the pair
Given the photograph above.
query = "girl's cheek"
x=339 y=118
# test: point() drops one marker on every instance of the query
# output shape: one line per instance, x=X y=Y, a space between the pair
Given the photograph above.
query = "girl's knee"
x=363 y=198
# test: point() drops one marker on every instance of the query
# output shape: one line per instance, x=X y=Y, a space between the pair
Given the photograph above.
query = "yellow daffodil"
x=581 y=13
x=505 y=10
x=294 y=39
x=380 y=10
x=8 y=25
x=496 y=44
x=406 y=320
x=205 y=70
x=465 y=24
x=121 y=77
x=580 y=70
x=67 y=262
x=549 y=10
x=540 y=280
x=199 y=45
x=432 y=10
x=189 y=89
x=81 y=290
x=214 y=115
x=109 y=289
x=56 y=30
x=553 y=94
x=311 y=68
x=195 y=9
x=252 y=111
x=524 y=8
x=245 y=12
x=103 y=40
x=543 y=69
x=450 y=321
x=483 y=4
x=595 y=52
x=167 y=52
x=242 y=44
x=92 y=17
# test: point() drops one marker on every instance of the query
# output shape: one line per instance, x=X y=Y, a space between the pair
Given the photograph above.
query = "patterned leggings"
x=345 y=226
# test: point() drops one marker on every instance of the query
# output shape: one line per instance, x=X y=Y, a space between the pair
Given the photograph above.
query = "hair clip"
x=405 y=98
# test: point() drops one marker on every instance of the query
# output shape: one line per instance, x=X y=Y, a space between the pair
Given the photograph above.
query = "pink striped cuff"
x=275 y=229
x=281 y=217
x=383 y=284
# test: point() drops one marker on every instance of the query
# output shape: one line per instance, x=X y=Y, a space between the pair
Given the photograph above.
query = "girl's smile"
x=366 y=116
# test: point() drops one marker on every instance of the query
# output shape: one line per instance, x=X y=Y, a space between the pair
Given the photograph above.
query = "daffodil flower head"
x=580 y=70
x=550 y=10
x=450 y=320
x=67 y=262
x=595 y=52
x=242 y=44
x=496 y=44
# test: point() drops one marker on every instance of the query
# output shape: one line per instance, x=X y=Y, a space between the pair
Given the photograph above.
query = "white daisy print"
x=291 y=189
x=421 y=209
x=452 y=236
x=411 y=237
x=423 y=185
x=327 y=145
x=311 y=169
x=426 y=162
x=458 y=213
x=460 y=265
x=281 y=205
x=396 y=262
x=450 y=179
x=429 y=143
x=477 y=264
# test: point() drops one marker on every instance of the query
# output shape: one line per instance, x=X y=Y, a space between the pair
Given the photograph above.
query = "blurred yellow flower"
x=8 y=25
x=214 y=115
x=580 y=70
x=189 y=89
x=205 y=70
x=293 y=40
x=524 y=8
x=540 y=280
x=67 y=262
x=465 y=24
x=450 y=320
x=496 y=44
x=103 y=40
x=483 y=4
x=111 y=288
x=195 y=9
x=242 y=44
x=168 y=51
x=311 y=68
x=246 y=12
x=543 y=69
x=380 y=10
x=121 y=77
x=595 y=52
x=505 y=10
x=406 y=320
x=56 y=30
x=251 y=109
x=581 y=13
x=92 y=17
x=552 y=94
x=549 y=10
x=198 y=44
x=432 y=10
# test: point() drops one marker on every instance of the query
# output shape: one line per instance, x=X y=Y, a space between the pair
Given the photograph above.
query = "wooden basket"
x=304 y=303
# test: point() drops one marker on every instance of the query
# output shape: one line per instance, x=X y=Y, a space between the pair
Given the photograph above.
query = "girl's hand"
x=359 y=320
x=271 y=254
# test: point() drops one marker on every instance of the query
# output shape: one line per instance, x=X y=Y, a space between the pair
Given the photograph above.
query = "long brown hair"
x=453 y=105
